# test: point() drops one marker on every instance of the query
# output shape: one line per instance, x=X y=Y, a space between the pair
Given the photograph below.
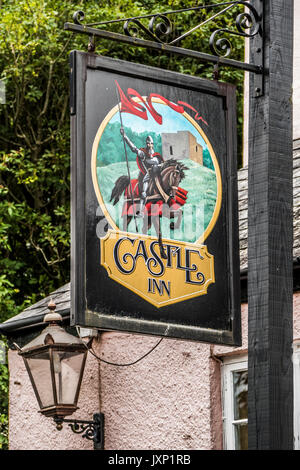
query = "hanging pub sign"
x=154 y=202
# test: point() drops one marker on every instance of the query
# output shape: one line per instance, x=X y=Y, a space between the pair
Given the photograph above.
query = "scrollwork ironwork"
x=78 y=16
x=163 y=28
x=159 y=29
x=244 y=21
x=91 y=430
x=154 y=31
x=87 y=430
x=222 y=46
x=133 y=26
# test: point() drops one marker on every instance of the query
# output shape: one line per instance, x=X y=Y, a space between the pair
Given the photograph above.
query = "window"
x=171 y=150
x=235 y=403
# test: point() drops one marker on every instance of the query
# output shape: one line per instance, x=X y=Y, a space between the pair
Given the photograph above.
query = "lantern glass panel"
x=39 y=365
x=67 y=367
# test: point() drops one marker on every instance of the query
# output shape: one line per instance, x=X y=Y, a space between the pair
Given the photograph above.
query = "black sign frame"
x=103 y=318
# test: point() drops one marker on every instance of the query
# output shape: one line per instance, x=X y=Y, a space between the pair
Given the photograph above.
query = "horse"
x=164 y=198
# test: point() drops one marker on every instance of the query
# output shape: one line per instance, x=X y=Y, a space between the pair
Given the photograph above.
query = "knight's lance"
x=125 y=150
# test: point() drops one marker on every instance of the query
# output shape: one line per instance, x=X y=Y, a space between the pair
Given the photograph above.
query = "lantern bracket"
x=91 y=430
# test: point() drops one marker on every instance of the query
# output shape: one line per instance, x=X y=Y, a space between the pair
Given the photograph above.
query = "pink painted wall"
x=169 y=400
x=161 y=402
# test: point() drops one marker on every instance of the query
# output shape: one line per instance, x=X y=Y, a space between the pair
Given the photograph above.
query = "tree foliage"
x=112 y=148
x=34 y=134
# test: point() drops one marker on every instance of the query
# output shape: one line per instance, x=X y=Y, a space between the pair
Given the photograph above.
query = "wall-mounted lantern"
x=55 y=362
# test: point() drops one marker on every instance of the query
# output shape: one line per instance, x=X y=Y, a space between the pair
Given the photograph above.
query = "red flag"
x=132 y=106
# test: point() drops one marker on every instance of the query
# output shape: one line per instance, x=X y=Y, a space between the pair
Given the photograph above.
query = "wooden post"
x=270 y=238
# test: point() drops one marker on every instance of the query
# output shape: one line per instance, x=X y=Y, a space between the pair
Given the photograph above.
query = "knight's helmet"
x=149 y=140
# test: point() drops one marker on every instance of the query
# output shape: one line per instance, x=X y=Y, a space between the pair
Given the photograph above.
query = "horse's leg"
x=157 y=225
x=175 y=224
x=179 y=219
x=146 y=224
x=126 y=221
x=162 y=251
x=172 y=224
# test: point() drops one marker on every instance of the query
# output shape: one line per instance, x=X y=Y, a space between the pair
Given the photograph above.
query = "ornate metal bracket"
x=159 y=32
x=91 y=430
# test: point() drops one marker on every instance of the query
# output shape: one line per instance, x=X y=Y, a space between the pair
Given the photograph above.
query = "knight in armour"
x=149 y=163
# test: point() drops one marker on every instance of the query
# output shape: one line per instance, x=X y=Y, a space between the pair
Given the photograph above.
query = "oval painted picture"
x=155 y=177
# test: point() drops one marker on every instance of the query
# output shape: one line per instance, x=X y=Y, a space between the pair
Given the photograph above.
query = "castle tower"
x=181 y=145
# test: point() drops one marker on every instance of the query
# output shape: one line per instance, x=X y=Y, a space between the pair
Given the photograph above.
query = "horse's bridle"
x=163 y=194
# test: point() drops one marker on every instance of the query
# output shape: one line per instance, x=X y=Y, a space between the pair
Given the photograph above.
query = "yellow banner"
x=135 y=261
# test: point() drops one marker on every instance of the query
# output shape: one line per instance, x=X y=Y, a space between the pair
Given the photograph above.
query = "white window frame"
x=239 y=364
x=230 y=365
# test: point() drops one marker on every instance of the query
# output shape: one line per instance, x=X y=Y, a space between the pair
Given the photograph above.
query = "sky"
x=172 y=122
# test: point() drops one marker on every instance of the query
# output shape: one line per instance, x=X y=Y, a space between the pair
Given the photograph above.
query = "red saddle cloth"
x=152 y=207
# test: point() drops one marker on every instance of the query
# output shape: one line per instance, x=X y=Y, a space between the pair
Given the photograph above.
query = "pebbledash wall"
x=169 y=400
x=173 y=398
